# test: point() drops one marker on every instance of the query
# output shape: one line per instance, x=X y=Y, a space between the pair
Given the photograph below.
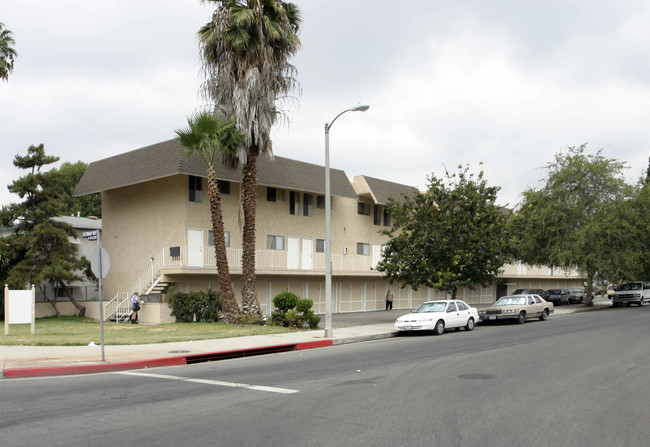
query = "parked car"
x=437 y=316
x=518 y=308
x=558 y=296
x=610 y=291
x=577 y=295
x=637 y=292
x=541 y=292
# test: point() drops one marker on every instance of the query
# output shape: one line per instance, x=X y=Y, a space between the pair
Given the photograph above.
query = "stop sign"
x=105 y=265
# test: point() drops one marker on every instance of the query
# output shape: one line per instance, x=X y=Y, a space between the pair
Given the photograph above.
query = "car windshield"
x=555 y=292
x=430 y=307
x=630 y=286
x=511 y=300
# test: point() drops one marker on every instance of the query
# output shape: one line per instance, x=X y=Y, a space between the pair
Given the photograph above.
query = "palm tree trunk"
x=230 y=306
x=250 y=304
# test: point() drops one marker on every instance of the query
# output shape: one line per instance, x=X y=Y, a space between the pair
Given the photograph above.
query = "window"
x=307 y=205
x=274 y=242
x=462 y=306
x=211 y=238
x=451 y=307
x=363 y=248
x=376 y=218
x=294 y=203
x=196 y=189
x=363 y=208
x=320 y=245
x=386 y=217
x=320 y=202
x=224 y=187
x=274 y=195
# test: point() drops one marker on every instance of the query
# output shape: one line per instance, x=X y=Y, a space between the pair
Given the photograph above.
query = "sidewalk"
x=35 y=361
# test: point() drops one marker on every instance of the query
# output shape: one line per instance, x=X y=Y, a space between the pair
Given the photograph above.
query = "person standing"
x=135 y=307
x=389 y=300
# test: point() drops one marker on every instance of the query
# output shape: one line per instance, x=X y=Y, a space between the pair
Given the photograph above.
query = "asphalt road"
x=574 y=380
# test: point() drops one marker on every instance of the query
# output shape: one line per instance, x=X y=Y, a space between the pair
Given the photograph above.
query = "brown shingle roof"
x=381 y=190
x=165 y=159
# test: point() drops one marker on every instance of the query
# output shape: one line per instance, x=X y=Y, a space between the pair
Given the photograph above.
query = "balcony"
x=190 y=259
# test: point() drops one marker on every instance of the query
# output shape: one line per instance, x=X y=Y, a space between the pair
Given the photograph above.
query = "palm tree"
x=214 y=137
x=7 y=53
x=245 y=51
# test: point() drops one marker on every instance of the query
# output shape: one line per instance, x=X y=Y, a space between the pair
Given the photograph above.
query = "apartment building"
x=157 y=230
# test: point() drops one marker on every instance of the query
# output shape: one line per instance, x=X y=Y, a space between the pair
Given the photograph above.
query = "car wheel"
x=641 y=302
x=521 y=318
x=470 y=324
x=440 y=327
x=544 y=315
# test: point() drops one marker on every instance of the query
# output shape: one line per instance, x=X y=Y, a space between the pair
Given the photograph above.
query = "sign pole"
x=101 y=307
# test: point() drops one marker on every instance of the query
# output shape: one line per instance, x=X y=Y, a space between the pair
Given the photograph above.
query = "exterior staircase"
x=119 y=309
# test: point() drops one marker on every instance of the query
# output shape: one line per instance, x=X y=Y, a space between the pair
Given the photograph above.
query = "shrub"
x=292 y=311
x=285 y=301
x=249 y=319
x=188 y=307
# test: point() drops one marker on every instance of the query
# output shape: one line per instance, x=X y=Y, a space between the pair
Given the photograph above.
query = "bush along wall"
x=292 y=311
x=188 y=307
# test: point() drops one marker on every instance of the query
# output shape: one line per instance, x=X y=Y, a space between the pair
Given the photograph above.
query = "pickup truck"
x=635 y=292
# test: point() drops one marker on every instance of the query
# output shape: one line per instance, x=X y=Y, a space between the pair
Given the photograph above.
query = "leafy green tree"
x=245 y=50
x=449 y=236
x=213 y=138
x=39 y=249
x=68 y=176
x=580 y=218
x=7 y=52
x=641 y=209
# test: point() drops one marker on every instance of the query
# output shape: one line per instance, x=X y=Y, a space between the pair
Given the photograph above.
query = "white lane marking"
x=246 y=386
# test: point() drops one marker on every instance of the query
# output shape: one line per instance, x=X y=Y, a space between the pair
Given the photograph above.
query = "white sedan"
x=437 y=316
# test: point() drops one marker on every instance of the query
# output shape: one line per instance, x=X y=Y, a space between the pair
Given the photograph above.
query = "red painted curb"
x=90 y=369
x=152 y=363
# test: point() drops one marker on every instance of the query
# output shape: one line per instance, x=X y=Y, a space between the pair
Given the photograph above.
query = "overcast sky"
x=505 y=82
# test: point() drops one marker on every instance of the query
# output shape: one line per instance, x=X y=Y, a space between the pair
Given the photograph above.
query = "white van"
x=636 y=292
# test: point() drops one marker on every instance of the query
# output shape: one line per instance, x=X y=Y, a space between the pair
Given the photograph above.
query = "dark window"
x=386 y=217
x=376 y=218
x=307 y=205
x=196 y=189
x=211 y=238
x=320 y=245
x=270 y=194
x=294 y=203
x=320 y=202
x=224 y=187
x=363 y=208
x=363 y=248
x=275 y=242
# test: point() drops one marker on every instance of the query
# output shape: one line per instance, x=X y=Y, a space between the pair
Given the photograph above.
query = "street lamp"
x=328 y=223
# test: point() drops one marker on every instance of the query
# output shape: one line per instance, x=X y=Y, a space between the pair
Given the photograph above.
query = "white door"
x=307 y=254
x=376 y=254
x=194 y=247
x=293 y=253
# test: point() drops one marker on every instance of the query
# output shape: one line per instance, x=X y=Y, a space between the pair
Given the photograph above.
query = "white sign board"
x=20 y=307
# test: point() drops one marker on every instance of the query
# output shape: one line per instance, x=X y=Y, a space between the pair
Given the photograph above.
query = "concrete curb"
x=152 y=363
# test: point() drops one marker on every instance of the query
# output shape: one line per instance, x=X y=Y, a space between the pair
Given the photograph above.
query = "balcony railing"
x=265 y=260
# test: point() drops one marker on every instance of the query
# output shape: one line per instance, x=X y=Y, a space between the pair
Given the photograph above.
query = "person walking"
x=135 y=307
x=389 y=300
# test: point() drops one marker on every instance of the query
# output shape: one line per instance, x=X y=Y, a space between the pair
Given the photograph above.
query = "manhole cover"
x=179 y=352
x=477 y=376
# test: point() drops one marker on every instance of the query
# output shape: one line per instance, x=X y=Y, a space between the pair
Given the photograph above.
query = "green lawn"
x=76 y=331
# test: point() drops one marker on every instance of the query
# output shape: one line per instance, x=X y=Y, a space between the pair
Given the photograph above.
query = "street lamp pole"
x=328 y=223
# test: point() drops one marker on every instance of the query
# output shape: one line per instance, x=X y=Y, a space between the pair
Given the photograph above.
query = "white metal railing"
x=266 y=260
x=523 y=270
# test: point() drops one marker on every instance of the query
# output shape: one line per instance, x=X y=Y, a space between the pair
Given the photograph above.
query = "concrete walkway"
x=35 y=361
